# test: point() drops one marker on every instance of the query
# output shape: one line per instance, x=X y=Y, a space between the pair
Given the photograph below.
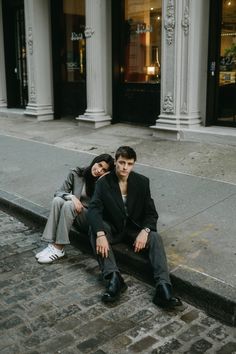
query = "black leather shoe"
x=164 y=298
x=115 y=287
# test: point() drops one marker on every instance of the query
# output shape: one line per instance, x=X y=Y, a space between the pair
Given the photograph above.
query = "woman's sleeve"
x=66 y=188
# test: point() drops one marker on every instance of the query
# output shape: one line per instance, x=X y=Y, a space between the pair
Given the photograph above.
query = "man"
x=122 y=210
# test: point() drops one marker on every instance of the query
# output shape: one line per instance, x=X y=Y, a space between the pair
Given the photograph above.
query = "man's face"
x=124 y=166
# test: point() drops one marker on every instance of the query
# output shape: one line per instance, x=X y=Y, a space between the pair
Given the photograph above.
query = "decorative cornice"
x=30 y=40
x=168 y=105
x=170 y=22
x=185 y=21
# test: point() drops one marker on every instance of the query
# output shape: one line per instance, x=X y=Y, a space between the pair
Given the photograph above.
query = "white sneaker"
x=44 y=251
x=52 y=255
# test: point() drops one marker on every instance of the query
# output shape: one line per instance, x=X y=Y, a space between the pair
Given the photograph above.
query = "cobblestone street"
x=57 y=309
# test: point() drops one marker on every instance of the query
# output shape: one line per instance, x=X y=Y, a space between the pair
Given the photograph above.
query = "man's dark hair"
x=127 y=152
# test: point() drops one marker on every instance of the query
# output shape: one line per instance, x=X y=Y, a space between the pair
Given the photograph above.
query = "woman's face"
x=99 y=168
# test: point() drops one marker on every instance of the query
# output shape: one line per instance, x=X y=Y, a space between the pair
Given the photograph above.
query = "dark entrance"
x=136 y=39
x=221 y=101
x=69 y=62
x=15 y=53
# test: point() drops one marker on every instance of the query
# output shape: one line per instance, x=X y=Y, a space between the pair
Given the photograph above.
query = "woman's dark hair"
x=125 y=151
x=87 y=175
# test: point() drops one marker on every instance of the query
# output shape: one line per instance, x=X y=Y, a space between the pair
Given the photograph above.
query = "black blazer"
x=107 y=204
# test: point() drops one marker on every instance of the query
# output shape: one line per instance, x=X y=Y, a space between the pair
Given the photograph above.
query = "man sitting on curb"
x=122 y=210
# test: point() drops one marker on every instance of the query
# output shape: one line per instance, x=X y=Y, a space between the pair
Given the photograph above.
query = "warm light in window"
x=229 y=3
x=158 y=18
x=152 y=8
x=151 y=70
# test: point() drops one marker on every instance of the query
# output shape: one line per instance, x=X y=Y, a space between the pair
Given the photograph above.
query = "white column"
x=3 y=95
x=98 y=64
x=184 y=66
x=39 y=61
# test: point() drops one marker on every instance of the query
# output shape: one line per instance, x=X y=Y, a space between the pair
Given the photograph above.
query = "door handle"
x=212 y=68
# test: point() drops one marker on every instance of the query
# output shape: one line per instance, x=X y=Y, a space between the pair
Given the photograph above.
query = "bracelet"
x=104 y=235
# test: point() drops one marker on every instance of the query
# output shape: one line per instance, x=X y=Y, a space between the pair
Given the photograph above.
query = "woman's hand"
x=77 y=203
x=102 y=246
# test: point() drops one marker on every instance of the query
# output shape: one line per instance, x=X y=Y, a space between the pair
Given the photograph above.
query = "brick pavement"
x=56 y=308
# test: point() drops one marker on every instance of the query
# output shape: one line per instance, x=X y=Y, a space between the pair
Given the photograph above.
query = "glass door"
x=15 y=53
x=227 y=65
x=69 y=57
x=221 y=100
x=136 y=60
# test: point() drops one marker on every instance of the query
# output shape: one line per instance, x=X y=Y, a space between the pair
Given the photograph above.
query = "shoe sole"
x=115 y=298
x=168 y=305
x=54 y=260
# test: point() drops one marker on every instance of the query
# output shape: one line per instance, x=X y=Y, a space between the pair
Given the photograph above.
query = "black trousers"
x=154 y=249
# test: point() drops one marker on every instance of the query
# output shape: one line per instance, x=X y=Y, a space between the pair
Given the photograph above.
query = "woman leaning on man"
x=70 y=205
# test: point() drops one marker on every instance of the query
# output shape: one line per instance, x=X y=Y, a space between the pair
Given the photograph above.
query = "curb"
x=217 y=298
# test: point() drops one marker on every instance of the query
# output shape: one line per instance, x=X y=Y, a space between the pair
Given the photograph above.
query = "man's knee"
x=154 y=238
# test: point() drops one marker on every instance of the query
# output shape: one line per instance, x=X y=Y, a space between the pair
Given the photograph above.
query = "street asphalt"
x=193 y=185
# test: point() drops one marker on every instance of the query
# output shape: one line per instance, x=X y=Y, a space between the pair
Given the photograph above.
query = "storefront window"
x=73 y=64
x=142 y=41
x=227 y=76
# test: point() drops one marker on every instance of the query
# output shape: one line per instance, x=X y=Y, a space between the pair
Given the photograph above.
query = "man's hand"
x=77 y=203
x=141 y=240
x=102 y=246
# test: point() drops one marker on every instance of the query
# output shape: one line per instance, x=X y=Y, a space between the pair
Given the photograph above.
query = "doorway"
x=221 y=101
x=15 y=53
x=136 y=49
x=69 y=57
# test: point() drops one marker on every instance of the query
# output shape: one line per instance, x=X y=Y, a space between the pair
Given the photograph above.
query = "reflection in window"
x=227 y=75
x=73 y=52
x=142 y=41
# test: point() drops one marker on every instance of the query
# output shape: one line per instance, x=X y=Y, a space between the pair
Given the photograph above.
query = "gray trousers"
x=154 y=249
x=61 y=218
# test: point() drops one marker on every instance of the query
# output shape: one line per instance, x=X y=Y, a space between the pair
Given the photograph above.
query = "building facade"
x=167 y=64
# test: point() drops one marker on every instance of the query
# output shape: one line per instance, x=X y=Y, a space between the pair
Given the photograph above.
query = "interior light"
x=152 y=8
x=151 y=70
x=229 y=3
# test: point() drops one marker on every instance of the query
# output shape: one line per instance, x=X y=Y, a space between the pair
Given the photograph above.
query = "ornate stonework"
x=30 y=40
x=170 y=22
x=32 y=95
x=88 y=32
x=185 y=20
x=168 y=105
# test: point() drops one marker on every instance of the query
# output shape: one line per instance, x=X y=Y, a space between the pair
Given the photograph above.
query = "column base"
x=167 y=133
x=42 y=113
x=93 y=122
x=173 y=127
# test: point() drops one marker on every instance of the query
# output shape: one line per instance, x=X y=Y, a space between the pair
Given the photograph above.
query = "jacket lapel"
x=132 y=193
x=115 y=191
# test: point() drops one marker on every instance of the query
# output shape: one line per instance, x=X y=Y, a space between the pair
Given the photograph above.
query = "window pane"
x=73 y=65
x=142 y=41
x=227 y=77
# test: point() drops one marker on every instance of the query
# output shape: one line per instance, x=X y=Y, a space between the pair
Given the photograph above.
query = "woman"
x=70 y=204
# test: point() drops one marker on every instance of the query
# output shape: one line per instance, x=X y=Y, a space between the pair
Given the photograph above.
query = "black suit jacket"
x=107 y=204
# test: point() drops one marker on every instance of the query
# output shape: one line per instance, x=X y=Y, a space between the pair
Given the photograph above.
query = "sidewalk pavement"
x=193 y=184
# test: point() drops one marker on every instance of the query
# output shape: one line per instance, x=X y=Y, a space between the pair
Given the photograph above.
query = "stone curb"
x=215 y=297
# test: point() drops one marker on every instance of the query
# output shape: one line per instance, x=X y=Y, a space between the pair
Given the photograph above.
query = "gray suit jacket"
x=73 y=184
